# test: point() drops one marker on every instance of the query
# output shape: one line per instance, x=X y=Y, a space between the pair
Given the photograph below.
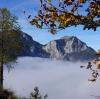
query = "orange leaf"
x=78 y=2
x=92 y=79
x=98 y=66
x=52 y=31
x=73 y=10
x=69 y=3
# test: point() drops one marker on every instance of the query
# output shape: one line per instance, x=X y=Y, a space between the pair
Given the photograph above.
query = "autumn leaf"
x=31 y=22
x=52 y=25
x=38 y=26
x=69 y=3
x=37 y=19
x=98 y=67
x=87 y=67
x=52 y=31
x=39 y=12
x=82 y=66
x=48 y=2
x=94 y=75
x=51 y=9
x=92 y=79
x=96 y=60
x=40 y=3
x=68 y=19
x=29 y=16
x=78 y=2
x=92 y=5
x=74 y=9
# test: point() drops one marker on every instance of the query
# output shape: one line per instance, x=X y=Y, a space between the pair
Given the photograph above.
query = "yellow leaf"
x=48 y=2
x=61 y=17
x=37 y=19
x=99 y=10
x=31 y=22
x=98 y=62
x=68 y=19
x=52 y=8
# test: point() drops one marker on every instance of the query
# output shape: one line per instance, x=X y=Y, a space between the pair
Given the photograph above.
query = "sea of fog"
x=58 y=79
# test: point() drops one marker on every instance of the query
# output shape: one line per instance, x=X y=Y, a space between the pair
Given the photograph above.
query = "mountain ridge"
x=66 y=48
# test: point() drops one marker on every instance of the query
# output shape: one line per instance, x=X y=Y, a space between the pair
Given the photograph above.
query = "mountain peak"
x=67 y=48
x=68 y=37
x=65 y=37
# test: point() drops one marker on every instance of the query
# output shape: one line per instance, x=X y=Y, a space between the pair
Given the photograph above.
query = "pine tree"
x=10 y=42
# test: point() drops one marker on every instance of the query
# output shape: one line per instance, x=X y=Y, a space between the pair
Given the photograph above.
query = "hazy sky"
x=90 y=37
x=58 y=79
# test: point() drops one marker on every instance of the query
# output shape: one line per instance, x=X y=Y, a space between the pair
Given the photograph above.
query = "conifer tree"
x=10 y=42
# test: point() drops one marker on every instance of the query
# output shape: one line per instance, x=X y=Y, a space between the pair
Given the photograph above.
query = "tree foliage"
x=10 y=42
x=7 y=94
x=36 y=94
x=60 y=17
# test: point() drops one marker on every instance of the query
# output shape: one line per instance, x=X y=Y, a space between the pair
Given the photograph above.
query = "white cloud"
x=58 y=79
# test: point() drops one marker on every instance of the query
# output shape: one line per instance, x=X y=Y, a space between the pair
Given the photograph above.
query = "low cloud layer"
x=58 y=79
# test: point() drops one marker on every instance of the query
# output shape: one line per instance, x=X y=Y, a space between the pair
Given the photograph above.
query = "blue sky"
x=42 y=36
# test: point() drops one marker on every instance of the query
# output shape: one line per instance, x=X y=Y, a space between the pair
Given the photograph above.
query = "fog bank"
x=58 y=79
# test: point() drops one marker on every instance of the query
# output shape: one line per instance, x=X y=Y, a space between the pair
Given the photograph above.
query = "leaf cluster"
x=58 y=18
x=95 y=72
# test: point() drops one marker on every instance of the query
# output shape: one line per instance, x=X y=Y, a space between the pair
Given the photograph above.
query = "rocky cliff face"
x=67 y=48
x=32 y=48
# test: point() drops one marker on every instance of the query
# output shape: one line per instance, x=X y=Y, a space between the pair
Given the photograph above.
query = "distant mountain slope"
x=32 y=48
x=67 y=48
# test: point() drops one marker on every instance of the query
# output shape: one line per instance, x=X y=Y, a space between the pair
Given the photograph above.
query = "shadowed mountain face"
x=32 y=48
x=66 y=48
